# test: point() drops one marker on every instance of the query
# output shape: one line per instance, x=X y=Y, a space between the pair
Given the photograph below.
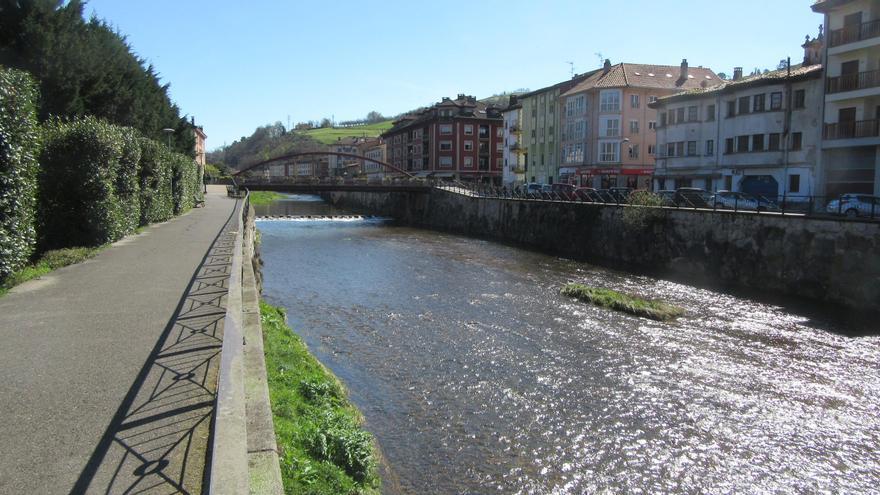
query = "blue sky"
x=238 y=65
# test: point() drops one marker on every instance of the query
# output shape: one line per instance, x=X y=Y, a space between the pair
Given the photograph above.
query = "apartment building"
x=851 y=130
x=758 y=134
x=461 y=139
x=341 y=166
x=540 y=130
x=608 y=128
x=373 y=149
x=513 y=173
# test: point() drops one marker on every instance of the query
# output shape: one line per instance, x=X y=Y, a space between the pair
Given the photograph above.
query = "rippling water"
x=476 y=376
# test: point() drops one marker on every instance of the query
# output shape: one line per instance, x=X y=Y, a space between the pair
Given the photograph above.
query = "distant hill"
x=329 y=135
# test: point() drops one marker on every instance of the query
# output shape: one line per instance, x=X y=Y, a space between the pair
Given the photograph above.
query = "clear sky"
x=236 y=65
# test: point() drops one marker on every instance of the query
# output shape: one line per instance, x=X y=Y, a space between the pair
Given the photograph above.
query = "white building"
x=513 y=153
x=851 y=144
x=759 y=134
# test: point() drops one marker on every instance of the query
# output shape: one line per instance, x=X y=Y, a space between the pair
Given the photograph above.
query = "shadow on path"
x=158 y=440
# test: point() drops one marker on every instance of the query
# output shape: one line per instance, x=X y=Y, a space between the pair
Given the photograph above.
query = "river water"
x=476 y=376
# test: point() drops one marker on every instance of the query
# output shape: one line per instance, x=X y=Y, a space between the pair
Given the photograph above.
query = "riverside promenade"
x=108 y=368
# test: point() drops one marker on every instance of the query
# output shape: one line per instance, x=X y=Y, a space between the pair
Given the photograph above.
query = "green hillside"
x=328 y=135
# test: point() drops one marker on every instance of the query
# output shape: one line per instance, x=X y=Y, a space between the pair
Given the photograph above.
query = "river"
x=476 y=376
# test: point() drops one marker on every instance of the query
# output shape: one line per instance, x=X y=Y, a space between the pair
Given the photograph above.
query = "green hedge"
x=78 y=202
x=156 y=202
x=127 y=183
x=19 y=148
x=187 y=183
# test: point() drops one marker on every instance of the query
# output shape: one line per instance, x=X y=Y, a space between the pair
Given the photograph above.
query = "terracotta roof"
x=562 y=86
x=647 y=76
x=467 y=104
x=798 y=72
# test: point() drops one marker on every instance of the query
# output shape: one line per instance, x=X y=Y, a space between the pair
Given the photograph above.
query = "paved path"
x=108 y=368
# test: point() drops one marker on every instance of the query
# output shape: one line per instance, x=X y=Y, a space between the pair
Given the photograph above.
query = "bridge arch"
x=288 y=156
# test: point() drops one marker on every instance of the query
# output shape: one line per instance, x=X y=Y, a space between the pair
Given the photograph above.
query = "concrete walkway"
x=108 y=368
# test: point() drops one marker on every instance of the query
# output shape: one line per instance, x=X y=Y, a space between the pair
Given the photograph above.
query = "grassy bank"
x=50 y=260
x=323 y=448
x=329 y=135
x=260 y=198
x=623 y=302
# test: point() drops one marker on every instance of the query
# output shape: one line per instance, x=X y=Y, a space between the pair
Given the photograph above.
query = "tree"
x=87 y=68
x=325 y=122
x=723 y=76
x=374 y=117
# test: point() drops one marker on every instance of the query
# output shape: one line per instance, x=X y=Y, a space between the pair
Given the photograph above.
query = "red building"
x=461 y=139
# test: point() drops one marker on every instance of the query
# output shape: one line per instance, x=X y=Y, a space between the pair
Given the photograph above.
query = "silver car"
x=855 y=205
x=741 y=201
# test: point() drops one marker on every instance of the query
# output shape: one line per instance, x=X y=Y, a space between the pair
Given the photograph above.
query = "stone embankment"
x=831 y=260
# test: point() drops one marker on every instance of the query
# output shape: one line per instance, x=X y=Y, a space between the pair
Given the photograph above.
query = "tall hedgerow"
x=154 y=176
x=187 y=188
x=78 y=204
x=19 y=149
x=127 y=183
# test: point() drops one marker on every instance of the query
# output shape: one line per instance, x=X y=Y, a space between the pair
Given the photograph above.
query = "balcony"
x=851 y=34
x=852 y=130
x=852 y=82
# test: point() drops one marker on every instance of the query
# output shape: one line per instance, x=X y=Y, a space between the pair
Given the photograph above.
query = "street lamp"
x=169 y=131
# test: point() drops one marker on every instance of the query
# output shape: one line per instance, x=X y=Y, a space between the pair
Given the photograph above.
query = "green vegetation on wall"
x=323 y=448
x=19 y=147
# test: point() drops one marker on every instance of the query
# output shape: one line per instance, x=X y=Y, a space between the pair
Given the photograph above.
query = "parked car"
x=667 y=196
x=533 y=190
x=587 y=194
x=563 y=191
x=620 y=194
x=692 y=197
x=855 y=205
x=741 y=201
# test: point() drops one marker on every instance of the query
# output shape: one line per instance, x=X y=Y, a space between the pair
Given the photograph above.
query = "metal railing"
x=857 y=32
x=850 y=130
x=852 y=82
x=785 y=205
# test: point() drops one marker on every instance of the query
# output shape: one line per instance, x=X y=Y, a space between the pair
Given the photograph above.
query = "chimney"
x=737 y=73
x=606 y=67
x=684 y=70
x=513 y=100
x=460 y=96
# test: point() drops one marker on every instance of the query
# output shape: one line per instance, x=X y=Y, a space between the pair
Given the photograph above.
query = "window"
x=796 y=141
x=679 y=115
x=633 y=126
x=691 y=148
x=773 y=142
x=776 y=101
x=468 y=145
x=608 y=152
x=692 y=113
x=468 y=162
x=499 y=146
x=670 y=149
x=710 y=113
x=445 y=128
x=484 y=131
x=634 y=101
x=445 y=161
x=612 y=128
x=758 y=142
x=679 y=148
x=651 y=149
x=800 y=99
x=652 y=125
x=758 y=103
x=728 y=145
x=609 y=100
x=743 y=105
x=499 y=132
x=794 y=183
x=731 y=108
x=652 y=99
x=742 y=144
x=662 y=119
x=469 y=129
x=634 y=151
x=710 y=147
x=445 y=145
